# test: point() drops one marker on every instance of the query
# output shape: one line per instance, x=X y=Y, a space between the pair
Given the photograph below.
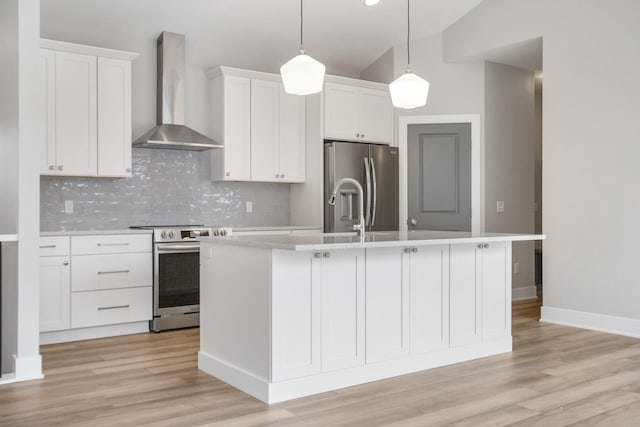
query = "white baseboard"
x=69 y=335
x=525 y=292
x=26 y=368
x=593 y=321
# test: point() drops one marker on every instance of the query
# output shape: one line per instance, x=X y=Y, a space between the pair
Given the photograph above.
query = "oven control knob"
x=171 y=234
x=163 y=235
x=216 y=233
x=223 y=232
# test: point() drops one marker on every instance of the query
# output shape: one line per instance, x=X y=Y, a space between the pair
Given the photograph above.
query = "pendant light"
x=409 y=90
x=302 y=75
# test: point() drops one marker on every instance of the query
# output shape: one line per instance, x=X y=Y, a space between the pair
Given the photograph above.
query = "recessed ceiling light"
x=371 y=2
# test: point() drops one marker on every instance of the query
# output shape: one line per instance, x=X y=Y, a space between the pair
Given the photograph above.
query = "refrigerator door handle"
x=375 y=191
x=367 y=172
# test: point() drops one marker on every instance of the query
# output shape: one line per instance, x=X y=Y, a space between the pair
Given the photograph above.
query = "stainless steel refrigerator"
x=376 y=168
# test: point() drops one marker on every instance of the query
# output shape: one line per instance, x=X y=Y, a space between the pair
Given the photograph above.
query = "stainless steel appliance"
x=375 y=167
x=171 y=132
x=176 y=274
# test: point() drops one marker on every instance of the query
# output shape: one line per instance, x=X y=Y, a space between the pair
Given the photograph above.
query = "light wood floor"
x=556 y=376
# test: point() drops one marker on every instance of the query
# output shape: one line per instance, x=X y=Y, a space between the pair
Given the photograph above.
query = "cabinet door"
x=292 y=148
x=237 y=128
x=295 y=315
x=55 y=293
x=429 y=277
x=496 y=290
x=464 y=295
x=376 y=116
x=264 y=130
x=47 y=88
x=387 y=303
x=343 y=309
x=114 y=117
x=341 y=104
x=76 y=114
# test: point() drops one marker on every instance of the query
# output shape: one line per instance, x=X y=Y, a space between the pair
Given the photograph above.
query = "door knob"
x=412 y=221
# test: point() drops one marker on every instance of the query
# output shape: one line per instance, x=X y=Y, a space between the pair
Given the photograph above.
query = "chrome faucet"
x=360 y=228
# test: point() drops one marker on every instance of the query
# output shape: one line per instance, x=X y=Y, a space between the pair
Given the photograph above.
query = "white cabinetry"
x=317 y=311
x=495 y=276
x=85 y=109
x=357 y=113
x=55 y=283
x=261 y=126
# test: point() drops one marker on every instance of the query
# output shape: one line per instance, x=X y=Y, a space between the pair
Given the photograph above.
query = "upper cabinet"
x=354 y=113
x=86 y=110
x=261 y=126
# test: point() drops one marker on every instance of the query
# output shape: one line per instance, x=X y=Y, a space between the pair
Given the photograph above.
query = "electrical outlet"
x=68 y=206
x=500 y=206
x=249 y=206
x=516 y=267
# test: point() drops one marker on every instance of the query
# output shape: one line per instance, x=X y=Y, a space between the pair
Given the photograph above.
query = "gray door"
x=384 y=183
x=439 y=176
x=344 y=160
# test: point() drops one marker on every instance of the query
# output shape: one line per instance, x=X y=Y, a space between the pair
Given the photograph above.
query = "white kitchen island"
x=287 y=316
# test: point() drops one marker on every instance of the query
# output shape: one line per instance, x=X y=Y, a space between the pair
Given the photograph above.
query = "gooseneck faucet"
x=360 y=228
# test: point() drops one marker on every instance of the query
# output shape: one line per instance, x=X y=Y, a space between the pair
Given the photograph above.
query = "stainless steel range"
x=176 y=274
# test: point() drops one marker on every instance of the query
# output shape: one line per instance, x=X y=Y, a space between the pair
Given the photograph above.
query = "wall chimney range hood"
x=171 y=133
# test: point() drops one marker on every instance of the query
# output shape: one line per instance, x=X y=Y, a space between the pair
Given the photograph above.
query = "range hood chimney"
x=171 y=133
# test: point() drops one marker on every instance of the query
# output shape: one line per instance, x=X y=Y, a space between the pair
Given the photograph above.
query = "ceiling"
x=257 y=34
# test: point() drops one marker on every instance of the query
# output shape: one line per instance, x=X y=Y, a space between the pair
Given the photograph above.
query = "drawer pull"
x=113 y=272
x=47 y=246
x=113 y=307
x=114 y=244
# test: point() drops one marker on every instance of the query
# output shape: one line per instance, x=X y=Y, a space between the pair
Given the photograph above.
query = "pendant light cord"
x=301 y=18
x=408 y=27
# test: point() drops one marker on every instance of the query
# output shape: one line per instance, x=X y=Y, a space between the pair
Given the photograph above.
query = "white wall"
x=381 y=70
x=509 y=163
x=19 y=132
x=590 y=147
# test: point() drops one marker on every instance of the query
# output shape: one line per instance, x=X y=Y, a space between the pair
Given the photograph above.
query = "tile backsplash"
x=167 y=187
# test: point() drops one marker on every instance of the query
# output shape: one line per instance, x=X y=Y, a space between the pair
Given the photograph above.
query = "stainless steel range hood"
x=171 y=133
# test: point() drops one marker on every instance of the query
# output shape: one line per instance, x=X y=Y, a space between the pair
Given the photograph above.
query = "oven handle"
x=178 y=248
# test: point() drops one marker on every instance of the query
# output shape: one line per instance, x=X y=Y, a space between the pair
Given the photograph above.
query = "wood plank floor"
x=556 y=376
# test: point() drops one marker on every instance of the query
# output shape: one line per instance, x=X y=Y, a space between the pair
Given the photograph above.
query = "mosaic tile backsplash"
x=167 y=187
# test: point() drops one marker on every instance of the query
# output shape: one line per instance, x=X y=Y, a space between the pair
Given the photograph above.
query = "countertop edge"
x=92 y=232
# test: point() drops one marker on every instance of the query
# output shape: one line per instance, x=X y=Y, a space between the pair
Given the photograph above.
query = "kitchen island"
x=287 y=316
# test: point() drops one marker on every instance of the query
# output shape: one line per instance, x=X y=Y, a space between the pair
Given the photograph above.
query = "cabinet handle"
x=327 y=255
x=282 y=176
x=414 y=250
x=113 y=272
x=128 y=169
x=47 y=246
x=65 y=263
x=113 y=244
x=317 y=255
x=486 y=246
x=480 y=246
x=357 y=135
x=227 y=174
x=407 y=250
x=362 y=135
x=60 y=168
x=277 y=175
x=113 y=307
x=52 y=168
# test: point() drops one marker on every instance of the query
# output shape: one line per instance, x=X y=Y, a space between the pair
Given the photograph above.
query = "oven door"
x=176 y=278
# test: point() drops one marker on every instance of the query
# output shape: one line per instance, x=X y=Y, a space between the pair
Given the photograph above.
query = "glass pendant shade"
x=302 y=75
x=409 y=91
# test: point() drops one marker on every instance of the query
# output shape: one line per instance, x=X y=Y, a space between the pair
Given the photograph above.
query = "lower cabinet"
x=55 y=291
x=317 y=315
x=108 y=307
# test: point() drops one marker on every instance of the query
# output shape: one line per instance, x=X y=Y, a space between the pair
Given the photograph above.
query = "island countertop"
x=311 y=242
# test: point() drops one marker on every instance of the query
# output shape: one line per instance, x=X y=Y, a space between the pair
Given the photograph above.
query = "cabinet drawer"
x=54 y=246
x=110 y=244
x=109 y=307
x=95 y=272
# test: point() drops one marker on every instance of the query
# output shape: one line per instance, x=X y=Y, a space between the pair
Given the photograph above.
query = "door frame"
x=477 y=164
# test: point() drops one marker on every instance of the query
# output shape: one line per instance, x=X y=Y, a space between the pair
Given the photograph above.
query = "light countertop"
x=311 y=242
x=8 y=237
x=93 y=232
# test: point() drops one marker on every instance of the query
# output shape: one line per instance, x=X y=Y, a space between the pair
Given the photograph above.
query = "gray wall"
x=509 y=135
x=590 y=141
x=179 y=190
x=167 y=187
x=381 y=70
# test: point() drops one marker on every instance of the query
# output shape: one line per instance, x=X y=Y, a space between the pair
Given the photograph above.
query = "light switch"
x=516 y=267
x=249 y=205
x=500 y=206
x=68 y=206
